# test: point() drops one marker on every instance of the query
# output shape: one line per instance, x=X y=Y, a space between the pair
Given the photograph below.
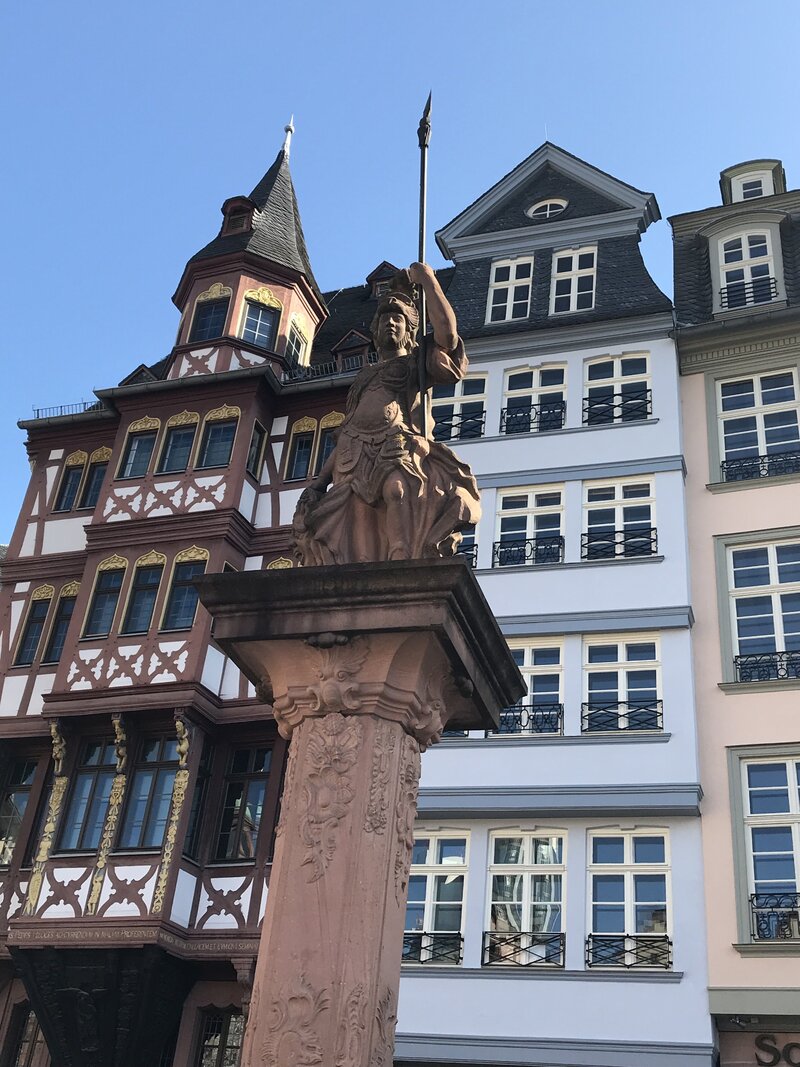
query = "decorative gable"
x=351 y=340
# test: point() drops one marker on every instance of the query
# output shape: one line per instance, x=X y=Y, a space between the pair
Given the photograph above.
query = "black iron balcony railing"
x=743 y=294
x=546 y=548
x=459 y=427
x=602 y=717
x=530 y=719
x=630 y=406
x=770 y=466
x=432 y=948
x=330 y=369
x=632 y=952
x=67 y=409
x=613 y=544
x=767 y=666
x=545 y=416
x=775 y=916
x=470 y=553
x=524 y=950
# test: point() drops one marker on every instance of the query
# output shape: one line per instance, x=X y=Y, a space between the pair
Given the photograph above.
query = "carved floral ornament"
x=333 y=418
x=292 y=1031
x=215 y=292
x=304 y=425
x=185 y=418
x=70 y=589
x=264 y=296
x=113 y=563
x=76 y=459
x=44 y=592
x=280 y=564
x=100 y=455
x=225 y=412
x=145 y=423
x=151 y=559
x=192 y=555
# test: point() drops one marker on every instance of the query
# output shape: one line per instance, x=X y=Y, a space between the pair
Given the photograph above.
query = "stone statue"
x=395 y=493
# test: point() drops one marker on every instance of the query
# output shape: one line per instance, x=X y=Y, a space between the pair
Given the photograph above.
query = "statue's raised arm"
x=395 y=492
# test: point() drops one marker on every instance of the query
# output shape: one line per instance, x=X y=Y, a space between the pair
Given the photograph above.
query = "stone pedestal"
x=365 y=665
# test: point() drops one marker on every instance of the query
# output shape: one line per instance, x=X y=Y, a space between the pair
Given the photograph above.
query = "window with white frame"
x=527 y=876
x=573 y=281
x=435 y=909
x=546 y=209
x=622 y=684
x=772 y=826
x=296 y=345
x=747 y=270
x=752 y=186
x=617 y=389
x=509 y=290
x=619 y=520
x=468 y=546
x=541 y=709
x=459 y=409
x=534 y=400
x=764 y=585
x=629 y=916
x=759 y=434
x=529 y=526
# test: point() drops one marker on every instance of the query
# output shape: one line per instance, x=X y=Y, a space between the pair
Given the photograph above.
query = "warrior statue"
x=395 y=492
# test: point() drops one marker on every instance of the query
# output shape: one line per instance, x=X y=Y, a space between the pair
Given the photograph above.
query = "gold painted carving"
x=214 y=292
x=263 y=295
x=304 y=425
x=225 y=412
x=100 y=455
x=45 y=845
x=332 y=749
x=113 y=563
x=178 y=798
x=109 y=829
x=386 y=1018
x=352 y=1030
x=405 y=813
x=280 y=564
x=44 y=592
x=59 y=746
x=120 y=742
x=192 y=555
x=333 y=418
x=291 y=1024
x=185 y=418
x=375 y=817
x=76 y=459
x=151 y=559
x=70 y=589
x=145 y=423
x=184 y=740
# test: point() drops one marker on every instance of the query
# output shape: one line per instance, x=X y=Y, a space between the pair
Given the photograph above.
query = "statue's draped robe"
x=380 y=436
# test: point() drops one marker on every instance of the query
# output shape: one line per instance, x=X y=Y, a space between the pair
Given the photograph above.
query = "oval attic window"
x=546 y=209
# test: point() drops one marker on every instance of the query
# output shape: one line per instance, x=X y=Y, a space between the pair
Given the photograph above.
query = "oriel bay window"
x=526 y=900
x=759 y=435
x=619 y=520
x=34 y=626
x=772 y=826
x=65 y=609
x=617 y=390
x=243 y=803
x=143 y=593
x=178 y=441
x=764 y=583
x=91 y=788
x=301 y=448
x=434 y=913
x=459 y=409
x=150 y=794
x=210 y=314
x=573 y=280
x=139 y=448
x=94 y=482
x=529 y=527
x=103 y=607
x=71 y=481
x=622 y=685
x=219 y=432
x=15 y=797
x=182 y=600
x=629 y=919
x=260 y=324
x=534 y=400
x=509 y=296
x=255 y=451
x=541 y=710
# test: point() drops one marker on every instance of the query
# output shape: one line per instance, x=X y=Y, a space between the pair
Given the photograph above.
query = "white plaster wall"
x=247 y=501
x=11 y=694
x=213 y=668
x=65 y=535
x=29 y=540
x=183 y=898
x=289 y=500
x=43 y=683
x=253 y=563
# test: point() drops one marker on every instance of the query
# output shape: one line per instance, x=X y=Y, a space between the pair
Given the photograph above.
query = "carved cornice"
x=44 y=592
x=100 y=455
x=76 y=459
x=184 y=418
x=113 y=563
x=702 y=352
x=151 y=559
x=224 y=524
x=215 y=291
x=145 y=423
x=192 y=555
x=263 y=295
x=53 y=568
x=333 y=418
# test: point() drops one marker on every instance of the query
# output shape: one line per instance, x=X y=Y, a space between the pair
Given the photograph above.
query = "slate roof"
x=277 y=233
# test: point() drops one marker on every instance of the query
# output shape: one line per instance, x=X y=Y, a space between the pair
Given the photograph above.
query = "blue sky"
x=124 y=127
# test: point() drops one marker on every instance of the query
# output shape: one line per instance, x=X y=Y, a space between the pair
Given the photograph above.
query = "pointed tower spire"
x=287 y=141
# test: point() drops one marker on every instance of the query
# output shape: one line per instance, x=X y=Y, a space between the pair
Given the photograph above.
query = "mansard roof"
x=598 y=205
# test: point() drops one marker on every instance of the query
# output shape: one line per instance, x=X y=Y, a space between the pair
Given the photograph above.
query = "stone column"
x=365 y=665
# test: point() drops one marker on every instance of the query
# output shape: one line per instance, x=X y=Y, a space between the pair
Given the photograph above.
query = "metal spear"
x=424 y=136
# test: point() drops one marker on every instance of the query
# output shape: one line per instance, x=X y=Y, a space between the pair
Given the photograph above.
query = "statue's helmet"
x=401 y=297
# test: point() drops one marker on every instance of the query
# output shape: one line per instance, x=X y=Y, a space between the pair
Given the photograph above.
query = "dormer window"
x=380 y=289
x=237 y=221
x=746 y=271
x=752 y=186
x=509 y=290
x=546 y=209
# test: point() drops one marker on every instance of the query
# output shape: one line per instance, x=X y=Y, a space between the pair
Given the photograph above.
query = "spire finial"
x=289 y=128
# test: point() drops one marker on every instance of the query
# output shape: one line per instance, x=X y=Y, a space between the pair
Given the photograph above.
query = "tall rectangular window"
x=622 y=687
x=509 y=290
x=58 y=634
x=527 y=873
x=459 y=409
x=150 y=794
x=177 y=449
x=534 y=400
x=209 y=319
x=540 y=710
x=138 y=451
x=104 y=603
x=299 y=456
x=617 y=390
x=243 y=804
x=93 y=485
x=764 y=584
x=260 y=324
x=529 y=527
x=68 y=490
x=142 y=599
x=28 y=1047
x=572 y=287
x=327 y=443
x=32 y=634
x=759 y=434
x=746 y=270
x=220 y=1039
x=91 y=788
x=182 y=600
x=629 y=918
x=13 y=805
x=620 y=520
x=255 y=452
x=434 y=913
x=296 y=346
x=772 y=826
x=191 y=846
x=217 y=444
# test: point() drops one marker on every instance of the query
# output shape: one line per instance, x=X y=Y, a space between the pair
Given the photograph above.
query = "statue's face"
x=392 y=331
